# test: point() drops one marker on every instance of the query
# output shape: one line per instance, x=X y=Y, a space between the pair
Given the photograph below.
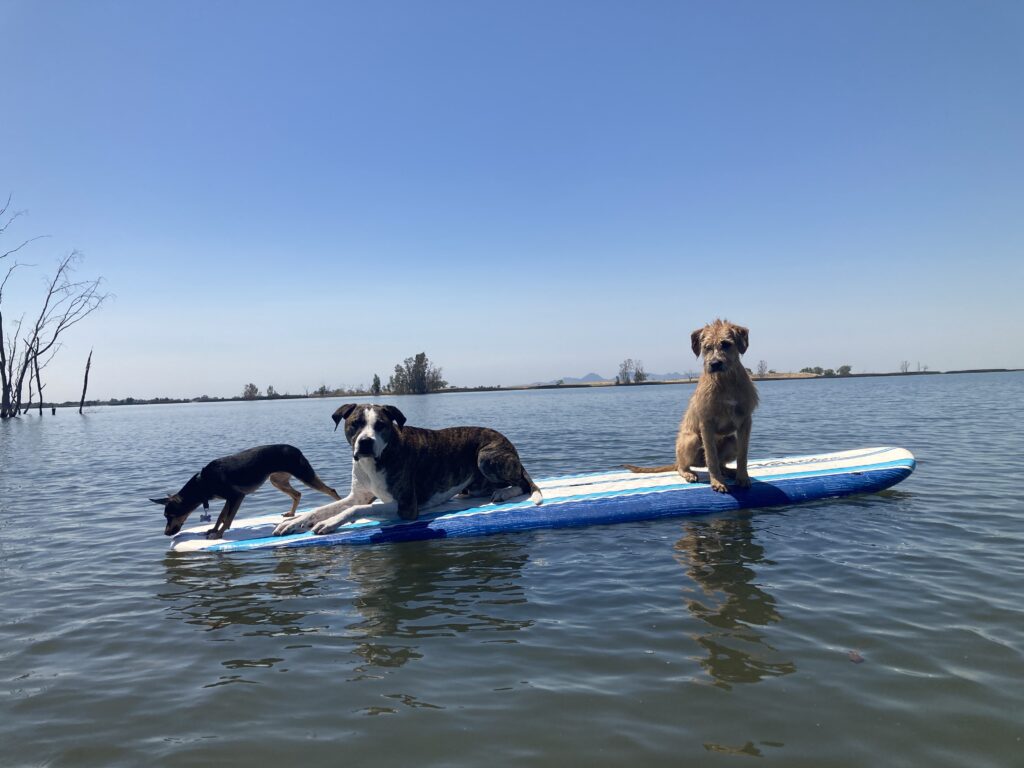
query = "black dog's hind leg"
x=305 y=472
x=280 y=481
x=226 y=517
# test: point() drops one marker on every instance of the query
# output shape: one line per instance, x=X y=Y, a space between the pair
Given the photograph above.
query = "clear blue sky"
x=306 y=193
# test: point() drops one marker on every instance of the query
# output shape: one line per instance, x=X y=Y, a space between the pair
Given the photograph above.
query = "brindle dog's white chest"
x=375 y=478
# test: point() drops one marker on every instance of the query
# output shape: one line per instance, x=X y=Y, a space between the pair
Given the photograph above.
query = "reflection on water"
x=410 y=593
x=221 y=592
x=399 y=596
x=717 y=555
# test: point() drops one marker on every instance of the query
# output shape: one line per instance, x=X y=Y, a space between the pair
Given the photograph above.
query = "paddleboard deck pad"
x=599 y=498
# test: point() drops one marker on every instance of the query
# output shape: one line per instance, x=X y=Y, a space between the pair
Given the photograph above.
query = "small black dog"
x=232 y=478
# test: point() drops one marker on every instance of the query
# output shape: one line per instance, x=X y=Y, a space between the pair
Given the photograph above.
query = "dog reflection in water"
x=718 y=555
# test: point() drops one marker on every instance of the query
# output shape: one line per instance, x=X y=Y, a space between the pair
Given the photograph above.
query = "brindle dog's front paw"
x=330 y=525
x=298 y=525
x=213 y=533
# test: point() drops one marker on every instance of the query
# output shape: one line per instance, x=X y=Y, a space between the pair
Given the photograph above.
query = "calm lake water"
x=875 y=630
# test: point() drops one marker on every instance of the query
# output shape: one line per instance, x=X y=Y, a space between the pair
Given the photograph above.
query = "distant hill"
x=590 y=378
x=596 y=378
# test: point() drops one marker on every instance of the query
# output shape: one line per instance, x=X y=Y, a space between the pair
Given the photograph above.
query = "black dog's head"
x=369 y=428
x=176 y=508
x=721 y=343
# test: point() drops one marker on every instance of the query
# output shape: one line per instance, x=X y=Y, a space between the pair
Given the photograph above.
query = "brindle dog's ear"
x=342 y=413
x=742 y=337
x=162 y=502
x=695 y=341
x=394 y=414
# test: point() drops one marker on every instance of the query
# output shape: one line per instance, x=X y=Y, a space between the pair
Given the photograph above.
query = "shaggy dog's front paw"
x=719 y=486
x=688 y=476
x=743 y=480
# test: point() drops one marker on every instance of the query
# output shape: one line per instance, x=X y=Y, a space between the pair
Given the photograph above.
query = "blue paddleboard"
x=599 y=498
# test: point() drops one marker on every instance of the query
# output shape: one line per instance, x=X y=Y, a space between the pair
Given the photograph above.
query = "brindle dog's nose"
x=365 y=446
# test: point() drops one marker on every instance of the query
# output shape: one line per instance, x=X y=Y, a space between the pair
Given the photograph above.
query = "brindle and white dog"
x=409 y=469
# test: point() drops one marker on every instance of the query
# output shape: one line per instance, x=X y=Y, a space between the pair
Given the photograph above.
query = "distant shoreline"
x=513 y=388
x=755 y=377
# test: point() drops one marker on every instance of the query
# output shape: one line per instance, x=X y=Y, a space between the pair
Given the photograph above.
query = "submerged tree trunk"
x=39 y=383
x=85 y=384
x=5 y=387
x=28 y=406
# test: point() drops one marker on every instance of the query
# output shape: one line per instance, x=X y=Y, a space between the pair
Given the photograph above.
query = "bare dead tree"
x=67 y=302
x=34 y=374
x=39 y=365
x=85 y=384
x=10 y=347
x=762 y=367
x=26 y=350
x=8 y=344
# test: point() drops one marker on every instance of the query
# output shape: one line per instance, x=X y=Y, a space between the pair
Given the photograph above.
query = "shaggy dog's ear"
x=695 y=341
x=742 y=337
x=394 y=414
x=162 y=502
x=342 y=413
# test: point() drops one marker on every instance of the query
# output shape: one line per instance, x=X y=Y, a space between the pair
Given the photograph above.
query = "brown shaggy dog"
x=716 y=426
